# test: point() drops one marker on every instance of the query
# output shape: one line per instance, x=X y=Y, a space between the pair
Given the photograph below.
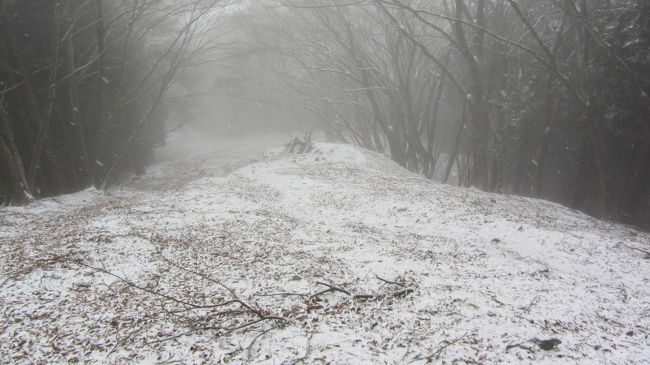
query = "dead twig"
x=307 y=352
x=636 y=249
x=211 y=279
x=122 y=340
x=249 y=348
x=389 y=281
x=530 y=305
x=496 y=300
x=287 y=294
x=403 y=292
x=330 y=288
x=150 y=291
x=200 y=324
x=440 y=350
x=228 y=330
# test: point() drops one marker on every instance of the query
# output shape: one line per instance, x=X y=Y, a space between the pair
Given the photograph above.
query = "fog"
x=544 y=99
x=324 y=182
x=512 y=97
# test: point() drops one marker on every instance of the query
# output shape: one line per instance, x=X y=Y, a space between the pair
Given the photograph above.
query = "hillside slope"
x=338 y=256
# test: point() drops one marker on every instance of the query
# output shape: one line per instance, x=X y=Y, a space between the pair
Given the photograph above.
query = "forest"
x=83 y=86
x=325 y=182
x=546 y=99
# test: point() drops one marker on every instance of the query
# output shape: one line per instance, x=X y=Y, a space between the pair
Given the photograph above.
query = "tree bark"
x=44 y=123
x=12 y=174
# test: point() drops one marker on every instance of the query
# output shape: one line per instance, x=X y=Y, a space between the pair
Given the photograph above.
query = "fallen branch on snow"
x=390 y=281
x=334 y=288
x=190 y=306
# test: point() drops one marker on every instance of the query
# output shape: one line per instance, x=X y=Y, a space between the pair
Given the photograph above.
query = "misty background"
x=544 y=99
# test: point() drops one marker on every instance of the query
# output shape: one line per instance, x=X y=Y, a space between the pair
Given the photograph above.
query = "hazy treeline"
x=539 y=98
x=544 y=98
x=82 y=85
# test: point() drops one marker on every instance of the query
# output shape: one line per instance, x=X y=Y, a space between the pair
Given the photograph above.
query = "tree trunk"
x=454 y=155
x=78 y=126
x=639 y=195
x=12 y=174
x=101 y=105
x=44 y=123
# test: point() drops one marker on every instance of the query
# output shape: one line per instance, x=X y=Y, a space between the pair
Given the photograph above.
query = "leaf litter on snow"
x=335 y=256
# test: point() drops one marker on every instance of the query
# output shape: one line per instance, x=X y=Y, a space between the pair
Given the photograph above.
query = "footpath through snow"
x=338 y=256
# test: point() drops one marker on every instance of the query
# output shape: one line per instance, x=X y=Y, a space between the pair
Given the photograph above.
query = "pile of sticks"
x=300 y=145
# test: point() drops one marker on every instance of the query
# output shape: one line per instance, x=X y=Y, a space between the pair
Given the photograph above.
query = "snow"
x=486 y=270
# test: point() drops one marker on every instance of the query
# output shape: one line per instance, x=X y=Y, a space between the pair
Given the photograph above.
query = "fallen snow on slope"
x=422 y=272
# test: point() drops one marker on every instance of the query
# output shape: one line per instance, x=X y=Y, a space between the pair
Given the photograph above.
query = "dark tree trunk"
x=639 y=195
x=12 y=174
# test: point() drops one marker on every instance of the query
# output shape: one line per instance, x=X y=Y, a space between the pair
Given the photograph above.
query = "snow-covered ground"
x=217 y=258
